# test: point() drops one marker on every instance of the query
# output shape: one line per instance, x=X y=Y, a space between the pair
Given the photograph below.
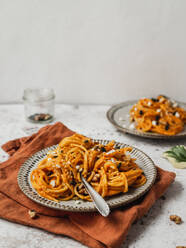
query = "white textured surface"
x=88 y=49
x=154 y=230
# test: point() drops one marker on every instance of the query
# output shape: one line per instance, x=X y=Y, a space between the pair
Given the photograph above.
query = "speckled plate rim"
x=110 y=113
x=24 y=183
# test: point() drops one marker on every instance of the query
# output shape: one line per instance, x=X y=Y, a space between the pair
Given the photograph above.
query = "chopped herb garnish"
x=119 y=165
x=49 y=173
x=154 y=100
x=167 y=126
x=157 y=117
x=178 y=153
x=73 y=182
x=103 y=149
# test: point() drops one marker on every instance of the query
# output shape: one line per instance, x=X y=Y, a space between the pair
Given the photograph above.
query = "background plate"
x=118 y=115
x=79 y=205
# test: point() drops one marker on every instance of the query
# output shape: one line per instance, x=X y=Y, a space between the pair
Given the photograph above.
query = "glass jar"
x=39 y=105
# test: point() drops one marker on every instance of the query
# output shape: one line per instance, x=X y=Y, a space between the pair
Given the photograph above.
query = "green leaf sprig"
x=178 y=153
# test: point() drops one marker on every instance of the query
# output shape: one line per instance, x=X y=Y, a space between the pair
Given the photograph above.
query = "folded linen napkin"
x=91 y=229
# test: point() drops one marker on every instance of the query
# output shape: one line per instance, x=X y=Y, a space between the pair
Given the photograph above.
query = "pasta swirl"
x=109 y=169
x=158 y=115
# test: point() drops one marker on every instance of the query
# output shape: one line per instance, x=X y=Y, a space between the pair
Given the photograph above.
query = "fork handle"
x=98 y=200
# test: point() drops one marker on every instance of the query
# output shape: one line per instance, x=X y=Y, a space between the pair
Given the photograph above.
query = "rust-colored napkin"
x=90 y=229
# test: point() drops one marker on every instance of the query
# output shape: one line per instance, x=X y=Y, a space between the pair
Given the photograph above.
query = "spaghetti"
x=158 y=115
x=108 y=168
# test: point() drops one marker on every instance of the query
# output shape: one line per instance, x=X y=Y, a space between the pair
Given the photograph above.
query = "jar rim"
x=38 y=94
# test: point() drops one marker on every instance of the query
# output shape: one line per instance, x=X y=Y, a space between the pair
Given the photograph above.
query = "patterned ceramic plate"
x=84 y=206
x=118 y=115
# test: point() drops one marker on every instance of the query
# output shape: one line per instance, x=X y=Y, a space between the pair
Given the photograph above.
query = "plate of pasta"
x=118 y=172
x=157 y=118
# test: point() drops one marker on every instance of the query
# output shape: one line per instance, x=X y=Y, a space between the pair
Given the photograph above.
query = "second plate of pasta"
x=29 y=180
x=120 y=116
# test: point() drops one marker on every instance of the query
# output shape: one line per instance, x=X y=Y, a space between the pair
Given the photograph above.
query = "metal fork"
x=98 y=201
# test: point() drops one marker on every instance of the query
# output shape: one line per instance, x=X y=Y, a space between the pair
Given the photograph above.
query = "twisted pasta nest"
x=108 y=168
x=158 y=115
